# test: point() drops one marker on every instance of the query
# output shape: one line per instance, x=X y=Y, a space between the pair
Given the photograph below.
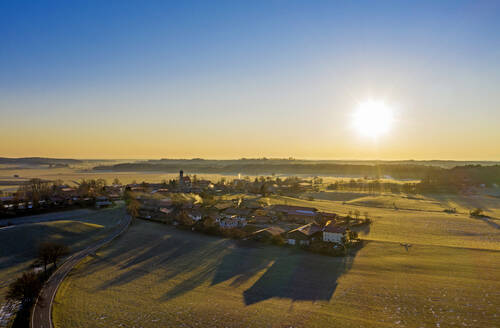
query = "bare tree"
x=25 y=288
x=50 y=252
x=34 y=190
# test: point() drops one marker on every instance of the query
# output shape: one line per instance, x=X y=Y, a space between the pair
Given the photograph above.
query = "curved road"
x=41 y=317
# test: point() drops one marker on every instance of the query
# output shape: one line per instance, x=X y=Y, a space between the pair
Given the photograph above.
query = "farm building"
x=267 y=234
x=304 y=235
x=333 y=233
x=299 y=214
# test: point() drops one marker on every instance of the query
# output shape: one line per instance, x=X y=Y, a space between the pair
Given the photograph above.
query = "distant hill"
x=39 y=161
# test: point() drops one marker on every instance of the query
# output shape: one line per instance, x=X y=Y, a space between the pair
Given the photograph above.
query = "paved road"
x=41 y=316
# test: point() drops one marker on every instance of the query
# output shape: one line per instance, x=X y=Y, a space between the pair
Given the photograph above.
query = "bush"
x=476 y=212
x=184 y=219
x=325 y=248
x=353 y=234
x=25 y=288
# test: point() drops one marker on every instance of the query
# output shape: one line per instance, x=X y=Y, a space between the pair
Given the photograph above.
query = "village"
x=238 y=208
x=205 y=207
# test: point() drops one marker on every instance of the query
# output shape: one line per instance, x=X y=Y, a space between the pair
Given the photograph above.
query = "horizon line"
x=249 y=158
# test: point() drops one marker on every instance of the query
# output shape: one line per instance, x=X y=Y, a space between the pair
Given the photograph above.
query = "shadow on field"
x=490 y=222
x=362 y=229
x=20 y=244
x=288 y=273
x=193 y=260
x=303 y=277
x=467 y=202
x=172 y=255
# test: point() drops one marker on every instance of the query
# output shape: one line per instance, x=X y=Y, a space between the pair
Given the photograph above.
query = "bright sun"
x=372 y=118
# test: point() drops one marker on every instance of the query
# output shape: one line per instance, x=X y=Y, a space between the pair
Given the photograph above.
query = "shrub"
x=476 y=212
x=325 y=248
x=25 y=288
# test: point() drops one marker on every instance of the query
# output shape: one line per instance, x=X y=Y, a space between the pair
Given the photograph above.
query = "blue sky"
x=277 y=78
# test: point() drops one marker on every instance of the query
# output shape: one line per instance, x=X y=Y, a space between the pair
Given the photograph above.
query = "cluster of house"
x=239 y=213
x=332 y=231
x=185 y=183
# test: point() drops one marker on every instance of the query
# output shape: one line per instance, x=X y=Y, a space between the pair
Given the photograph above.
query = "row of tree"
x=374 y=186
x=26 y=288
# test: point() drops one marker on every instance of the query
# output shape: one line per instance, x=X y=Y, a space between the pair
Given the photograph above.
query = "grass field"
x=77 y=229
x=415 y=226
x=158 y=276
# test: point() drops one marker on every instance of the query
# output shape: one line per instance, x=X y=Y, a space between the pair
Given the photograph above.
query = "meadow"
x=157 y=275
x=77 y=229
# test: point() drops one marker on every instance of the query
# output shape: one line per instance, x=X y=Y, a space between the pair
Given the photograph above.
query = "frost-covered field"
x=158 y=276
x=77 y=229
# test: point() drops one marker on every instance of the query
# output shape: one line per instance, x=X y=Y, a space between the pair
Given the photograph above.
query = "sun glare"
x=372 y=118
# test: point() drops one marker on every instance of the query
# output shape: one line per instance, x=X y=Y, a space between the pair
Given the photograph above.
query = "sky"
x=231 y=79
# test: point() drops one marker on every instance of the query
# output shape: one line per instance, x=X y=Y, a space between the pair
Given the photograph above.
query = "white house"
x=333 y=233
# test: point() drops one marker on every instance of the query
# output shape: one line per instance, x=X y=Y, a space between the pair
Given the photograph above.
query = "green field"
x=158 y=276
x=77 y=229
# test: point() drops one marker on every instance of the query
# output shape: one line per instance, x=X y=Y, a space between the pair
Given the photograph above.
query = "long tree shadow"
x=292 y=274
x=193 y=260
x=288 y=273
x=173 y=255
x=226 y=260
x=243 y=262
x=489 y=221
x=20 y=244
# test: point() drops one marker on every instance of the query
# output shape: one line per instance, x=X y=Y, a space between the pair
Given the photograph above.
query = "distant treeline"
x=461 y=177
x=39 y=161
